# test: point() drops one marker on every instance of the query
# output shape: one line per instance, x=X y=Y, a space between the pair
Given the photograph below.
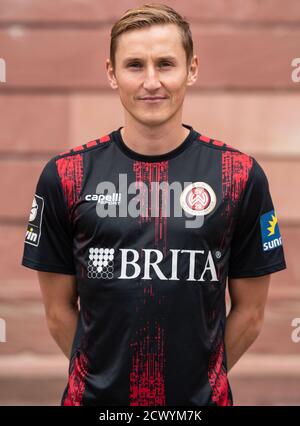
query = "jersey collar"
x=117 y=137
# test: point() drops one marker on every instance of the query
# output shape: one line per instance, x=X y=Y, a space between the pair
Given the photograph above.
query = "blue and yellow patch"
x=270 y=233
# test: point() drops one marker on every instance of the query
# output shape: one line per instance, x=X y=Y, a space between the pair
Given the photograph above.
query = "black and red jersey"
x=152 y=241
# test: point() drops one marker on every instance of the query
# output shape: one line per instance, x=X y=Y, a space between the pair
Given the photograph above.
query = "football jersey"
x=152 y=240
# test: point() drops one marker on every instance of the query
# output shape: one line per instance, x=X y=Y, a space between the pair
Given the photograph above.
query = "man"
x=143 y=226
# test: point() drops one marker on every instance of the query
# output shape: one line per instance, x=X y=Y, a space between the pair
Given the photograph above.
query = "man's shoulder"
x=85 y=147
x=218 y=144
x=71 y=160
x=236 y=163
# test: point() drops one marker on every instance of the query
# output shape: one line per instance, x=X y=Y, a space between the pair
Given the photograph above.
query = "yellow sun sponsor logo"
x=270 y=233
x=272 y=223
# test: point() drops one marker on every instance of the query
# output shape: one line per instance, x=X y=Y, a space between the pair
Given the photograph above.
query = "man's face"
x=151 y=62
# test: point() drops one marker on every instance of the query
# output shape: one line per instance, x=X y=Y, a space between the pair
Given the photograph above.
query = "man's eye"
x=137 y=65
x=134 y=65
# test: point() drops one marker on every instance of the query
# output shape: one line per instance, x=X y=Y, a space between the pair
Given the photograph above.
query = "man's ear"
x=193 y=71
x=111 y=75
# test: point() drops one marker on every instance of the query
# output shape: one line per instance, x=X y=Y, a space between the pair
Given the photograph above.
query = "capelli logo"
x=296 y=71
x=2 y=71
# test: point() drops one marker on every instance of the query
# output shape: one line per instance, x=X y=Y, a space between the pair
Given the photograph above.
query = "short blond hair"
x=147 y=15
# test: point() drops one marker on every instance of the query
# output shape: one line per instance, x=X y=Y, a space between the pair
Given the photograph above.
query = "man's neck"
x=153 y=141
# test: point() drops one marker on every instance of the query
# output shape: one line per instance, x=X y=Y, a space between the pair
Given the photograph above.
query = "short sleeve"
x=256 y=247
x=48 y=244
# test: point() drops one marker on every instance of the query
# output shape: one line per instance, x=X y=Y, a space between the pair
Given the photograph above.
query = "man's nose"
x=151 y=80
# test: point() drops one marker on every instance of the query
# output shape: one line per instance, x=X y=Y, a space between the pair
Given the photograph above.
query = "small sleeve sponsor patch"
x=270 y=232
x=33 y=232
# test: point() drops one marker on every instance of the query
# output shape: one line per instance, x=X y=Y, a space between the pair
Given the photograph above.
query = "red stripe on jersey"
x=235 y=171
x=147 y=381
x=153 y=174
x=91 y=143
x=78 y=148
x=70 y=170
x=105 y=138
x=76 y=382
x=147 y=372
x=204 y=138
x=65 y=152
x=218 y=143
x=217 y=377
x=236 y=167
